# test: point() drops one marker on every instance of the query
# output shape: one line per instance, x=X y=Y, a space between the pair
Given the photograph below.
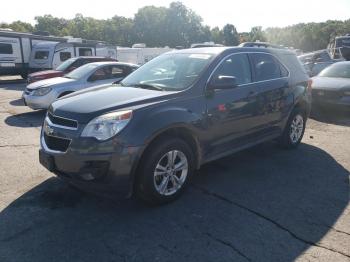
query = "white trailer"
x=139 y=53
x=49 y=55
x=15 y=50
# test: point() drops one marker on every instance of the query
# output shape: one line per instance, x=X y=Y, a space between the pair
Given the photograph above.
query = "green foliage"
x=178 y=25
x=18 y=26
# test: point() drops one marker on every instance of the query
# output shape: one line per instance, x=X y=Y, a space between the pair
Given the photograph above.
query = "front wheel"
x=294 y=130
x=165 y=171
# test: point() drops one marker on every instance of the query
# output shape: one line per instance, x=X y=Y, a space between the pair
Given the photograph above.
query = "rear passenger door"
x=271 y=81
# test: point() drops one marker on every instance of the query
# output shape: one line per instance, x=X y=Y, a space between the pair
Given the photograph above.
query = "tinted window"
x=85 y=52
x=237 y=66
x=118 y=71
x=101 y=74
x=266 y=67
x=6 y=49
x=41 y=55
x=64 y=56
x=337 y=70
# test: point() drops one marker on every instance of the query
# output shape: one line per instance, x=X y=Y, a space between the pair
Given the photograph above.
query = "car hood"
x=330 y=83
x=46 y=73
x=92 y=102
x=50 y=82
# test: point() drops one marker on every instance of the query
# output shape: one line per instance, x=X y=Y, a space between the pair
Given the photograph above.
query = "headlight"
x=108 y=125
x=42 y=91
x=347 y=93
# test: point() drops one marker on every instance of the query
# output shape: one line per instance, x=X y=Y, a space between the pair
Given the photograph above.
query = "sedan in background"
x=66 y=67
x=41 y=94
x=331 y=87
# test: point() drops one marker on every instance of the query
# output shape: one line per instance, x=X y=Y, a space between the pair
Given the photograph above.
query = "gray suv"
x=180 y=110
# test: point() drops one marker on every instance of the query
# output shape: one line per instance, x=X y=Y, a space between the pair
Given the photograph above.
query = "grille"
x=56 y=143
x=62 y=121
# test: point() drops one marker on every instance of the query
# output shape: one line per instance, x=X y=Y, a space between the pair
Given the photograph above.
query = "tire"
x=156 y=185
x=24 y=76
x=294 y=130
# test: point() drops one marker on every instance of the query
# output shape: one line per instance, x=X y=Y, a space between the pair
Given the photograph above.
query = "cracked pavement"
x=262 y=204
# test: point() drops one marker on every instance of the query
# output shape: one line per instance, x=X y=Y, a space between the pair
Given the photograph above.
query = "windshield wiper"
x=148 y=86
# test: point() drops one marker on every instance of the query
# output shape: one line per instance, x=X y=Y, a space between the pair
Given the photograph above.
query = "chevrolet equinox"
x=148 y=134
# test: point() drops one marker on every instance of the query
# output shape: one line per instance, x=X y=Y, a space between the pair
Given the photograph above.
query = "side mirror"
x=222 y=82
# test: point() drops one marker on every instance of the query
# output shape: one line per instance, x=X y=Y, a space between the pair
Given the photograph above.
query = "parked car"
x=331 y=87
x=175 y=113
x=66 y=67
x=260 y=44
x=315 y=62
x=41 y=94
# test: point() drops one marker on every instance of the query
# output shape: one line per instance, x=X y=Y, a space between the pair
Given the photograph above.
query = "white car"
x=41 y=94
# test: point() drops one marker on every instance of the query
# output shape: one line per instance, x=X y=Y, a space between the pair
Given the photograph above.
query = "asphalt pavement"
x=262 y=204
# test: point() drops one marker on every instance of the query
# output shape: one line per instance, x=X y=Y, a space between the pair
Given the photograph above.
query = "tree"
x=18 y=26
x=53 y=25
x=257 y=34
x=231 y=37
x=149 y=26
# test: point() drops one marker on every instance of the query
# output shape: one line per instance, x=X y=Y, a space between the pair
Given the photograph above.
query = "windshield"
x=62 y=67
x=81 y=71
x=169 y=72
x=341 y=70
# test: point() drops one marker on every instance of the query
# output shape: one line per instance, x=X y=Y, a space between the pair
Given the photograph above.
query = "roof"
x=234 y=49
x=112 y=63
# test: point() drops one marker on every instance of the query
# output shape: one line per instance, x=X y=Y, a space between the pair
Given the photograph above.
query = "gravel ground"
x=262 y=204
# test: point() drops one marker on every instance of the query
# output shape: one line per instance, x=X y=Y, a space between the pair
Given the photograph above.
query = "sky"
x=244 y=14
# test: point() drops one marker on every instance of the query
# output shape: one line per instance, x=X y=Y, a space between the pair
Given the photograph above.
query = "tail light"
x=309 y=85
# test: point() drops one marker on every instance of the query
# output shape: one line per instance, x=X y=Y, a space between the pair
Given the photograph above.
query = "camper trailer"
x=139 y=54
x=49 y=55
x=15 y=50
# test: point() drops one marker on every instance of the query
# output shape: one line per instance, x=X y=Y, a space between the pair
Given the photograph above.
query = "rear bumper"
x=341 y=102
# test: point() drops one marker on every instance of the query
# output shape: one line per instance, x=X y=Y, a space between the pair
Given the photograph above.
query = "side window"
x=85 y=52
x=118 y=71
x=101 y=74
x=266 y=67
x=6 y=49
x=65 y=56
x=41 y=55
x=237 y=66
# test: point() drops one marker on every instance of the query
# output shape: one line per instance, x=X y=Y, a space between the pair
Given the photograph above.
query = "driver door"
x=231 y=112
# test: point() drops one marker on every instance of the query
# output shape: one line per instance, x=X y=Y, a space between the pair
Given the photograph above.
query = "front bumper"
x=85 y=165
x=38 y=102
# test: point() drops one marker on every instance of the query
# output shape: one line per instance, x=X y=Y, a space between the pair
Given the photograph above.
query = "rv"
x=139 y=54
x=15 y=49
x=49 y=55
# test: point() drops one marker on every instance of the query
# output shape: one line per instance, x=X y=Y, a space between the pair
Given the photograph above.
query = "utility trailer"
x=139 y=54
x=49 y=55
x=15 y=49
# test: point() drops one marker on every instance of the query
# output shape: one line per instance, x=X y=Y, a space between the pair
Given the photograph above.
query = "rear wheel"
x=294 y=130
x=165 y=171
